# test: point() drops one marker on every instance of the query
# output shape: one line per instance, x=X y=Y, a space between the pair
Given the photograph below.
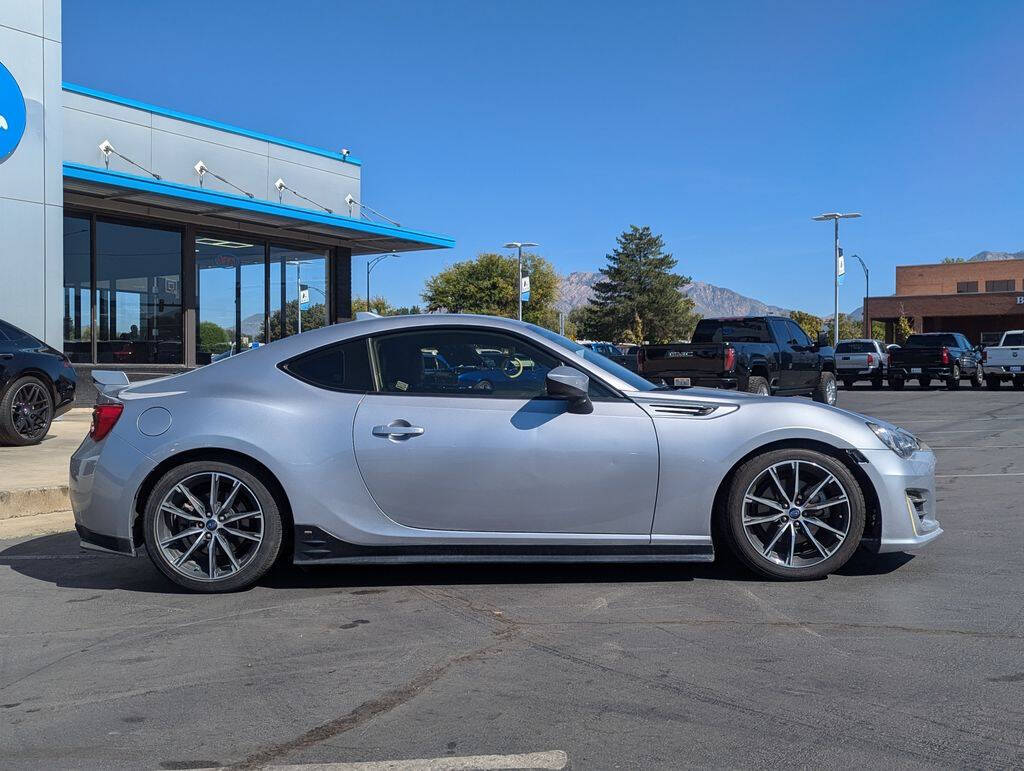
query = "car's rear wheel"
x=794 y=514
x=876 y=381
x=993 y=383
x=26 y=411
x=847 y=383
x=758 y=385
x=954 y=378
x=1018 y=383
x=896 y=383
x=212 y=527
x=924 y=382
x=978 y=378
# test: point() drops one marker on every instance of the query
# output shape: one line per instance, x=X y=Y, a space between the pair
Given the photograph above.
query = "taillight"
x=945 y=355
x=104 y=417
x=871 y=360
x=730 y=358
x=984 y=355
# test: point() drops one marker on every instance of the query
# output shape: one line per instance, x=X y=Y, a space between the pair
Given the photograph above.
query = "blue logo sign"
x=12 y=114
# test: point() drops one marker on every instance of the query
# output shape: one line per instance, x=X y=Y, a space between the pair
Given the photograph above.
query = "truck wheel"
x=978 y=379
x=876 y=381
x=924 y=382
x=993 y=383
x=896 y=383
x=847 y=383
x=954 y=379
x=1018 y=383
x=826 y=392
x=758 y=385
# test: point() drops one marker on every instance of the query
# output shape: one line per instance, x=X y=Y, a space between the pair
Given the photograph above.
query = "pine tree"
x=639 y=298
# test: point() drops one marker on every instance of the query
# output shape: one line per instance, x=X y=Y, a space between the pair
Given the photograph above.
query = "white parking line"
x=963 y=431
x=980 y=447
x=1005 y=474
x=555 y=759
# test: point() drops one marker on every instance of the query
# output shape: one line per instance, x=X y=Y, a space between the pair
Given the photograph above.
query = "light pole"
x=867 y=294
x=298 y=295
x=519 y=287
x=370 y=265
x=835 y=217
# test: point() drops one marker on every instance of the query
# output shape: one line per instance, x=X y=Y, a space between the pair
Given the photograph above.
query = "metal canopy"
x=361 y=236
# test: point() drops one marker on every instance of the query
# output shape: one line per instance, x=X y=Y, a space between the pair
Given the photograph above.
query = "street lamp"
x=835 y=217
x=519 y=245
x=867 y=294
x=370 y=265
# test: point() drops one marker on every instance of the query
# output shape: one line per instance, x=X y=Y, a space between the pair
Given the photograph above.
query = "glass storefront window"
x=298 y=285
x=77 y=285
x=232 y=296
x=138 y=294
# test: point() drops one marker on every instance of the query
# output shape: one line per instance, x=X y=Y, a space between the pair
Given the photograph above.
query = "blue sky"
x=724 y=126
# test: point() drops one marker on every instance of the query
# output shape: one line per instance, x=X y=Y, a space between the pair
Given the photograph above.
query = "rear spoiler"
x=109 y=382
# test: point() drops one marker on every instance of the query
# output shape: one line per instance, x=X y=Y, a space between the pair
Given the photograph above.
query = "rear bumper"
x=906 y=498
x=933 y=372
x=842 y=372
x=1002 y=372
x=697 y=380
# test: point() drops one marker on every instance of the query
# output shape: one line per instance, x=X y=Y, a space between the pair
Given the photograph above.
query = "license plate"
x=681 y=381
x=1015 y=368
x=915 y=370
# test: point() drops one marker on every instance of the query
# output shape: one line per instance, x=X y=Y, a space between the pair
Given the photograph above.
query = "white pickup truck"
x=1006 y=360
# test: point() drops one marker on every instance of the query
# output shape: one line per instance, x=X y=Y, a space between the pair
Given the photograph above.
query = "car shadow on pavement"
x=58 y=559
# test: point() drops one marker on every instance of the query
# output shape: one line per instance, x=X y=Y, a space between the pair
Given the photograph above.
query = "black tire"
x=896 y=383
x=876 y=382
x=825 y=392
x=31 y=425
x=924 y=382
x=753 y=558
x=758 y=385
x=953 y=383
x=256 y=564
x=978 y=378
x=1018 y=383
x=993 y=383
x=847 y=383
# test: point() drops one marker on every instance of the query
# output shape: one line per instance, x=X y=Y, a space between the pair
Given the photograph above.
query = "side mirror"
x=573 y=386
x=822 y=339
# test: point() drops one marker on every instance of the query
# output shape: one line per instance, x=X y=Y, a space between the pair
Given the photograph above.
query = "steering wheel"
x=512 y=367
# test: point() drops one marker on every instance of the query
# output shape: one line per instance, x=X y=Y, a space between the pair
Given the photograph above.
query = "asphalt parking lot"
x=898 y=661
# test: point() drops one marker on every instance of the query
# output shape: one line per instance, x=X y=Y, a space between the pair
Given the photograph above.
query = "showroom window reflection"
x=300 y=288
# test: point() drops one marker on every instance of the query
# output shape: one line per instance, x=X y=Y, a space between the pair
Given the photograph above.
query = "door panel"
x=508 y=465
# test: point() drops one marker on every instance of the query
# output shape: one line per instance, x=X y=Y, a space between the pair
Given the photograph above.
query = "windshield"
x=635 y=382
x=930 y=341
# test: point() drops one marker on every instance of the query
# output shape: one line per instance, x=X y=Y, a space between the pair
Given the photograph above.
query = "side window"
x=797 y=333
x=341 y=367
x=781 y=331
x=462 y=361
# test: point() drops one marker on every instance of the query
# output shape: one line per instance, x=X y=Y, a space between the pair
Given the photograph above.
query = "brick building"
x=976 y=298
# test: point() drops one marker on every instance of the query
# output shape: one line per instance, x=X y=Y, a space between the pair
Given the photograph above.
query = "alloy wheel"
x=30 y=411
x=209 y=526
x=831 y=391
x=796 y=514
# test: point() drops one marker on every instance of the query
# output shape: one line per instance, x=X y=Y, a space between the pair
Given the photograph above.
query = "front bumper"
x=906 y=498
x=103 y=479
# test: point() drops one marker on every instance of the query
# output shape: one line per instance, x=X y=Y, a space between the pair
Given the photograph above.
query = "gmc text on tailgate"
x=944 y=356
x=767 y=355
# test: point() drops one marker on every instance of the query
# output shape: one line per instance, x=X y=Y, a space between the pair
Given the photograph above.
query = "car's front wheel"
x=826 y=391
x=26 y=411
x=794 y=514
x=212 y=526
x=953 y=383
x=978 y=378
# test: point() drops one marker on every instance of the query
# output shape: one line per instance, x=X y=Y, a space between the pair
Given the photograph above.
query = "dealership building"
x=151 y=240
x=979 y=299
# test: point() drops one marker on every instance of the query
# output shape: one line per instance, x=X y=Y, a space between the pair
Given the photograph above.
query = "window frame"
x=968 y=287
x=1008 y=285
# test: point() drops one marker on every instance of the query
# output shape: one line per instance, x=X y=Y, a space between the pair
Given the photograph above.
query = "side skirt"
x=313 y=546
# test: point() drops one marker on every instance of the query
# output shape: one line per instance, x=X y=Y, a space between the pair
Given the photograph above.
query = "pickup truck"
x=768 y=355
x=861 y=359
x=945 y=356
x=1005 y=361
x=617 y=353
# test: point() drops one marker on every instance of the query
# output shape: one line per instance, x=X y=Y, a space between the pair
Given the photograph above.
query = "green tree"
x=951 y=260
x=639 y=298
x=878 y=330
x=312 y=317
x=378 y=305
x=489 y=285
x=213 y=338
x=848 y=329
x=808 y=322
x=904 y=329
x=411 y=310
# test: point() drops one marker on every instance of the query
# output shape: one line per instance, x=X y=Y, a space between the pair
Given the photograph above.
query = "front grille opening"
x=918 y=500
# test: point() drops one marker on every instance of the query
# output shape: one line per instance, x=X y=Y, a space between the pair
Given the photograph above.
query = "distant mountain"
x=252 y=325
x=708 y=299
x=987 y=256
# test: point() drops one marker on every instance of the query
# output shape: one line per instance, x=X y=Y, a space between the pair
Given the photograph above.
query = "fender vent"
x=670 y=408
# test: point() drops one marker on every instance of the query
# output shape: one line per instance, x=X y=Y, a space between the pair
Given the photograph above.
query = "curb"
x=28 y=501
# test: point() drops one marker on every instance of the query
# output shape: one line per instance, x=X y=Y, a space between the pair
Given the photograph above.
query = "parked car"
x=927 y=356
x=861 y=359
x=628 y=356
x=333 y=447
x=759 y=354
x=37 y=383
x=1005 y=361
x=459 y=368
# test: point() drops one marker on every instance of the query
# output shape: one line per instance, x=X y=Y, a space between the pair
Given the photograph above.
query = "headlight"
x=901 y=442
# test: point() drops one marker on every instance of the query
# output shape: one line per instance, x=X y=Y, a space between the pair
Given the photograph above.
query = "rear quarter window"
x=340 y=367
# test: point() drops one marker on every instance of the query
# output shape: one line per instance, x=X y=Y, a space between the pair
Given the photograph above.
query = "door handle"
x=396 y=429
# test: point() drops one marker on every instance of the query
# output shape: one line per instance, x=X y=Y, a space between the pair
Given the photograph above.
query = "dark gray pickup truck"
x=760 y=354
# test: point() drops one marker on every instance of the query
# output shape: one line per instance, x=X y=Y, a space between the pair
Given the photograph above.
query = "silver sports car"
x=470 y=438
